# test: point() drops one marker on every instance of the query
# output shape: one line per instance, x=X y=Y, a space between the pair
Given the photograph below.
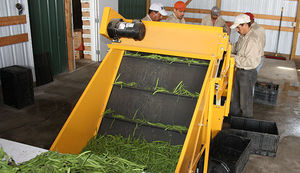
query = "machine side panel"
x=84 y=121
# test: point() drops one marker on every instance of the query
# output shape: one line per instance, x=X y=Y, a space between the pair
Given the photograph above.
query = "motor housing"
x=117 y=29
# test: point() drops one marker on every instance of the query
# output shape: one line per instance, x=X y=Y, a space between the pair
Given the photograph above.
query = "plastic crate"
x=263 y=134
x=228 y=153
x=42 y=68
x=17 y=86
x=266 y=93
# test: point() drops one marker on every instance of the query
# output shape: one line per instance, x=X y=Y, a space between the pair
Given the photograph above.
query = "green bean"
x=169 y=59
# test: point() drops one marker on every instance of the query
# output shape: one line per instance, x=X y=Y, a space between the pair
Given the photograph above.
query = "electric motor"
x=117 y=28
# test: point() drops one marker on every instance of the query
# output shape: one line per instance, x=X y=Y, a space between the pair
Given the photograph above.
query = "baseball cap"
x=158 y=7
x=250 y=15
x=240 y=19
x=215 y=11
x=179 y=5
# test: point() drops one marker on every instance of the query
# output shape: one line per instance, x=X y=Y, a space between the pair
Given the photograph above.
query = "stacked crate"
x=266 y=93
x=86 y=32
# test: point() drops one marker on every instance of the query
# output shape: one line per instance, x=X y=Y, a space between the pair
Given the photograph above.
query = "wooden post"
x=296 y=32
x=218 y=3
x=68 y=15
x=147 y=6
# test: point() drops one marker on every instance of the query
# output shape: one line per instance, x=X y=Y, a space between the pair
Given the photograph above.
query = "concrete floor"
x=287 y=116
x=39 y=124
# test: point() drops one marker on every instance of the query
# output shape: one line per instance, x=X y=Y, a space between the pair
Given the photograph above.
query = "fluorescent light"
x=285 y=68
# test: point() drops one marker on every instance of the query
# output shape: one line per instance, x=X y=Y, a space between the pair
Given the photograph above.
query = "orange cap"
x=179 y=5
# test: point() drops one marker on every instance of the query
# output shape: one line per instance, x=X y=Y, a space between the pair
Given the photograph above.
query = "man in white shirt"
x=178 y=13
x=247 y=53
x=214 y=19
x=260 y=32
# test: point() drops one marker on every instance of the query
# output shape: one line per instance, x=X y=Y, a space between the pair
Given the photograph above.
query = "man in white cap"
x=247 y=52
x=156 y=11
x=260 y=32
x=214 y=19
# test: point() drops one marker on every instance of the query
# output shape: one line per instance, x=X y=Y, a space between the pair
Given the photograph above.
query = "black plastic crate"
x=42 y=68
x=263 y=134
x=266 y=93
x=17 y=86
x=228 y=153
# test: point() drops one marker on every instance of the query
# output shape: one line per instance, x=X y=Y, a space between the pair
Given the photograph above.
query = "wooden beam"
x=230 y=13
x=12 y=20
x=14 y=39
x=188 y=2
x=276 y=28
x=267 y=27
x=296 y=32
x=191 y=10
x=68 y=15
x=218 y=3
x=195 y=20
x=188 y=19
x=271 y=27
x=260 y=16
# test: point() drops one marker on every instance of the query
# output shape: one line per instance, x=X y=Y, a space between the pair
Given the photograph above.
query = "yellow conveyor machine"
x=184 y=40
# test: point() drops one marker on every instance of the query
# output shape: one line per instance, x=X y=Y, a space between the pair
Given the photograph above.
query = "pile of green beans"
x=157 y=156
x=52 y=162
x=104 y=154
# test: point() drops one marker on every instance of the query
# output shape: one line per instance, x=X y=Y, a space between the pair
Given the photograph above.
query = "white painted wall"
x=98 y=41
x=268 y=7
x=21 y=53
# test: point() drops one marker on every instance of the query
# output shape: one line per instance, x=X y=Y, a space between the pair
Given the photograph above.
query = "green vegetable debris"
x=138 y=121
x=167 y=59
x=121 y=84
x=178 y=90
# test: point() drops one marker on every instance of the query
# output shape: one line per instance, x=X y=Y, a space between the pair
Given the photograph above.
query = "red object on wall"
x=81 y=47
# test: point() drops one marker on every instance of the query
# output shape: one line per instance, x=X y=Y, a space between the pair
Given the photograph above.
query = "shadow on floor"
x=39 y=124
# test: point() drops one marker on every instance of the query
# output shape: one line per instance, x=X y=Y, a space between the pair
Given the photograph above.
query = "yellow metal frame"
x=193 y=41
x=85 y=119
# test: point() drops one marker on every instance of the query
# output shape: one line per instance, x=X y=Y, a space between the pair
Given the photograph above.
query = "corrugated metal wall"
x=49 y=31
x=21 y=53
x=269 y=7
x=132 y=9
